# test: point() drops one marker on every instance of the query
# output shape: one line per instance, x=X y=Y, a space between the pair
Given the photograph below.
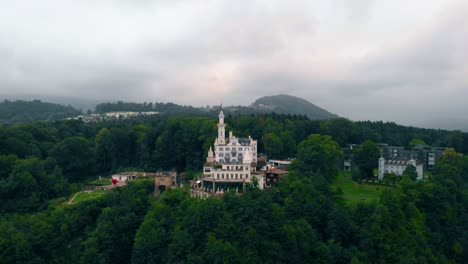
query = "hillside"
x=288 y=104
x=14 y=112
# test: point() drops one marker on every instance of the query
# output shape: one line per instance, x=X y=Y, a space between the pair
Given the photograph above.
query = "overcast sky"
x=403 y=61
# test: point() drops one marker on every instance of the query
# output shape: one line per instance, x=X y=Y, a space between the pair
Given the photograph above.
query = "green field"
x=354 y=192
x=83 y=196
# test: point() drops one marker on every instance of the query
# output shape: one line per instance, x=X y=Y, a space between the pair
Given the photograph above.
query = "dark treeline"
x=102 y=228
x=14 y=112
x=303 y=220
x=180 y=142
x=44 y=160
x=164 y=108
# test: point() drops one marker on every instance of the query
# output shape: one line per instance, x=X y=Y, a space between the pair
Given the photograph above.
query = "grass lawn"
x=83 y=196
x=354 y=192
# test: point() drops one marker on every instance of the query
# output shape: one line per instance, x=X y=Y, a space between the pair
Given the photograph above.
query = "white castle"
x=231 y=163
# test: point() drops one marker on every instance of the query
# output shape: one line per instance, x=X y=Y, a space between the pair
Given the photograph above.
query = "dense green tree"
x=321 y=154
x=341 y=130
x=289 y=144
x=417 y=142
x=29 y=186
x=273 y=145
x=105 y=151
x=366 y=157
x=7 y=163
x=13 y=112
x=411 y=172
x=76 y=157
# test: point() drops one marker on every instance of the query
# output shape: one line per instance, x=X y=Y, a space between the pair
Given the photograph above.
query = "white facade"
x=233 y=149
x=230 y=162
x=398 y=167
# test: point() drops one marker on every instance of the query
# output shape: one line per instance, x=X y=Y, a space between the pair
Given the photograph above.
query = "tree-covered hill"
x=305 y=219
x=287 y=104
x=14 y=112
x=280 y=104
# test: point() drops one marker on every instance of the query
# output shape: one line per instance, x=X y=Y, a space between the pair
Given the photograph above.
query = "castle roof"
x=398 y=162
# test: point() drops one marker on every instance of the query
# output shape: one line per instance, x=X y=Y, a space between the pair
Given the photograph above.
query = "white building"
x=398 y=167
x=230 y=163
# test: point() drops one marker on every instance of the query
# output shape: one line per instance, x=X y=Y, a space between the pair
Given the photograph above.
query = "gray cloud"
x=366 y=59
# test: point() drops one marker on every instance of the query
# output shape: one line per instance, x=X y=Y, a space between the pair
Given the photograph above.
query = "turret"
x=221 y=129
x=210 y=157
x=221 y=118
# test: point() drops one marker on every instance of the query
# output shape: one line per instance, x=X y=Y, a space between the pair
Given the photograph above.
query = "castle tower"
x=210 y=157
x=221 y=129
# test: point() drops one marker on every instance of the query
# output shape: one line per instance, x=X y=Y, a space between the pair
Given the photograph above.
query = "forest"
x=305 y=219
x=19 y=111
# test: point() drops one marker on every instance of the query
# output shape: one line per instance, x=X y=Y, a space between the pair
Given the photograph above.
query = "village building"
x=398 y=166
x=279 y=163
x=423 y=154
x=273 y=176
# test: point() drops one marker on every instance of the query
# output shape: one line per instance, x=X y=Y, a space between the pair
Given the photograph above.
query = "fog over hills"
x=281 y=103
x=292 y=105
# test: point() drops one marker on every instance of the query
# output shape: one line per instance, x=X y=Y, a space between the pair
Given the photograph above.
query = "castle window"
x=221 y=155
x=227 y=149
x=240 y=149
x=222 y=176
x=236 y=176
x=220 y=149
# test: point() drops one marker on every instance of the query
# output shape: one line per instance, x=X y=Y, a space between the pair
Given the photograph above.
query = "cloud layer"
x=365 y=59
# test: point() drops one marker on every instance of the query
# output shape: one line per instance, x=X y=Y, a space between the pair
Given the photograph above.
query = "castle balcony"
x=224 y=180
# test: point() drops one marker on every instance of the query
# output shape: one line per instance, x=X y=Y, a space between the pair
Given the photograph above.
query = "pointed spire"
x=210 y=153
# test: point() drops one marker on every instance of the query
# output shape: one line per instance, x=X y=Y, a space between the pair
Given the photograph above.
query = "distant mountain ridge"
x=19 y=111
x=288 y=104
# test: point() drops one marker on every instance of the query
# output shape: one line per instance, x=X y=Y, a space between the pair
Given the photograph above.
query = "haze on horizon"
x=402 y=61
